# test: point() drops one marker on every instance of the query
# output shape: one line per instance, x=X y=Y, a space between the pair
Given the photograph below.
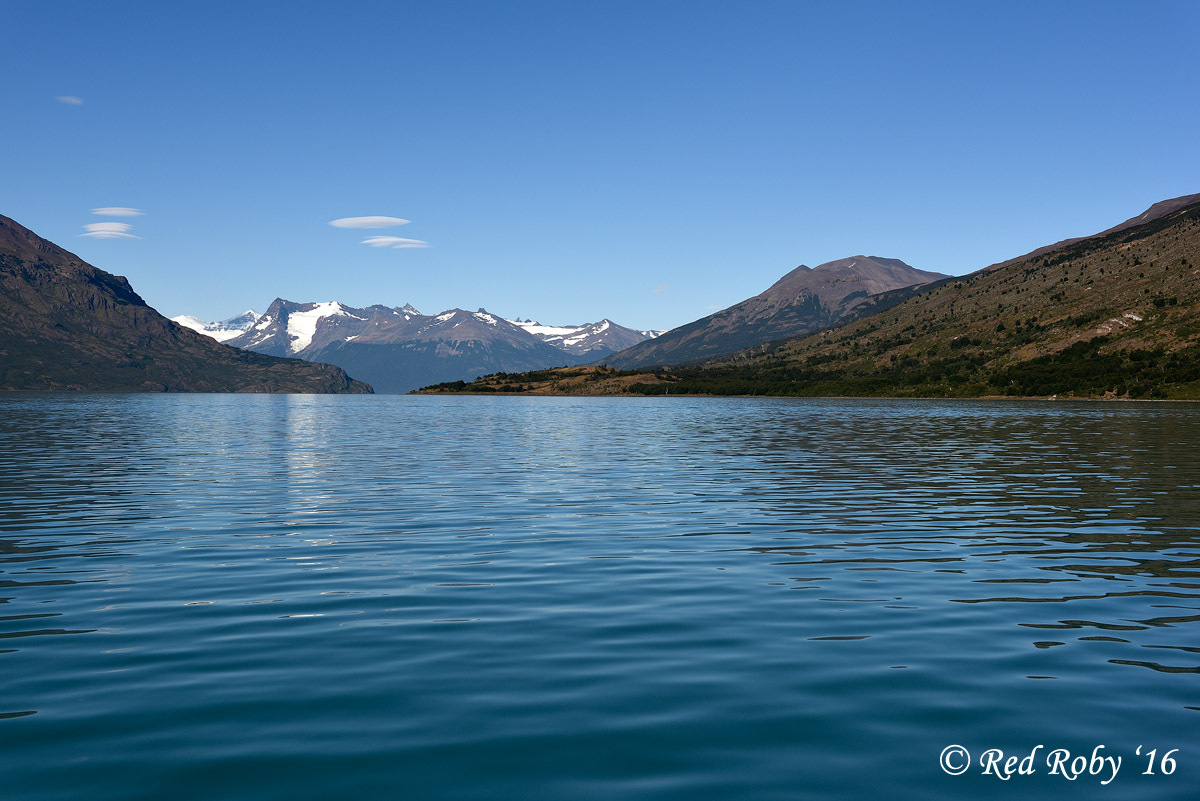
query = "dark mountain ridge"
x=66 y=325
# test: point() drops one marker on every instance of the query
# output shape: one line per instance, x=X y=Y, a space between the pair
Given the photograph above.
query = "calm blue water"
x=250 y=597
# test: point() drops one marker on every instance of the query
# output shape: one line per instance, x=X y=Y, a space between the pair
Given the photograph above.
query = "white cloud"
x=70 y=100
x=117 y=211
x=661 y=289
x=367 y=222
x=393 y=242
x=109 y=230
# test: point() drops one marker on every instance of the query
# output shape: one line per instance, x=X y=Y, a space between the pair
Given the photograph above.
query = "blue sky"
x=567 y=161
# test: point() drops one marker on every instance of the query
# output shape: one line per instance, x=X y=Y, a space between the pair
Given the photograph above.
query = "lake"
x=356 y=597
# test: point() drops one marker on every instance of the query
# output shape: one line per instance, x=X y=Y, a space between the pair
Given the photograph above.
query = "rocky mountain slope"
x=1115 y=315
x=1155 y=212
x=66 y=325
x=804 y=300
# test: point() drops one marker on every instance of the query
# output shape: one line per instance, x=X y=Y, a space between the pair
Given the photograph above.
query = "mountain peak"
x=848 y=263
x=862 y=264
x=804 y=300
x=875 y=274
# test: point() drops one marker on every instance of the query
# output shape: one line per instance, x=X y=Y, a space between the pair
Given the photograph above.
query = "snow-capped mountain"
x=397 y=349
x=598 y=339
x=223 y=329
x=290 y=329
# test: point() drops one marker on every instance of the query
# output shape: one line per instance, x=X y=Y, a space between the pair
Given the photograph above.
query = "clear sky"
x=572 y=160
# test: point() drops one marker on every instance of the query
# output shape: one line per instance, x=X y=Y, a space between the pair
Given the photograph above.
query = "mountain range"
x=66 y=325
x=398 y=349
x=1113 y=315
x=1116 y=314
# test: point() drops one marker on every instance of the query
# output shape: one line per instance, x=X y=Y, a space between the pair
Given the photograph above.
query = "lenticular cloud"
x=109 y=230
x=368 y=222
x=394 y=242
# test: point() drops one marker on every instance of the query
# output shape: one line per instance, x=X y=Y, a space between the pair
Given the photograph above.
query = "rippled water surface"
x=227 y=597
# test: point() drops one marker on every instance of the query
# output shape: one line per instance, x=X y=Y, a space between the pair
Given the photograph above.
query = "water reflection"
x=1098 y=498
x=542 y=567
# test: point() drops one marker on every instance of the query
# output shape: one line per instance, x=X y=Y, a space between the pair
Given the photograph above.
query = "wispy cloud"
x=109 y=230
x=117 y=211
x=70 y=100
x=712 y=308
x=661 y=289
x=394 y=242
x=367 y=222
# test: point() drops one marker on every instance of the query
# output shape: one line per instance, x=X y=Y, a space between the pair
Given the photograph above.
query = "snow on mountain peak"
x=223 y=329
x=545 y=331
x=302 y=325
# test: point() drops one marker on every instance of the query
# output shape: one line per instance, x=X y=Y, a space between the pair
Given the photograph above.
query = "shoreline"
x=1051 y=398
